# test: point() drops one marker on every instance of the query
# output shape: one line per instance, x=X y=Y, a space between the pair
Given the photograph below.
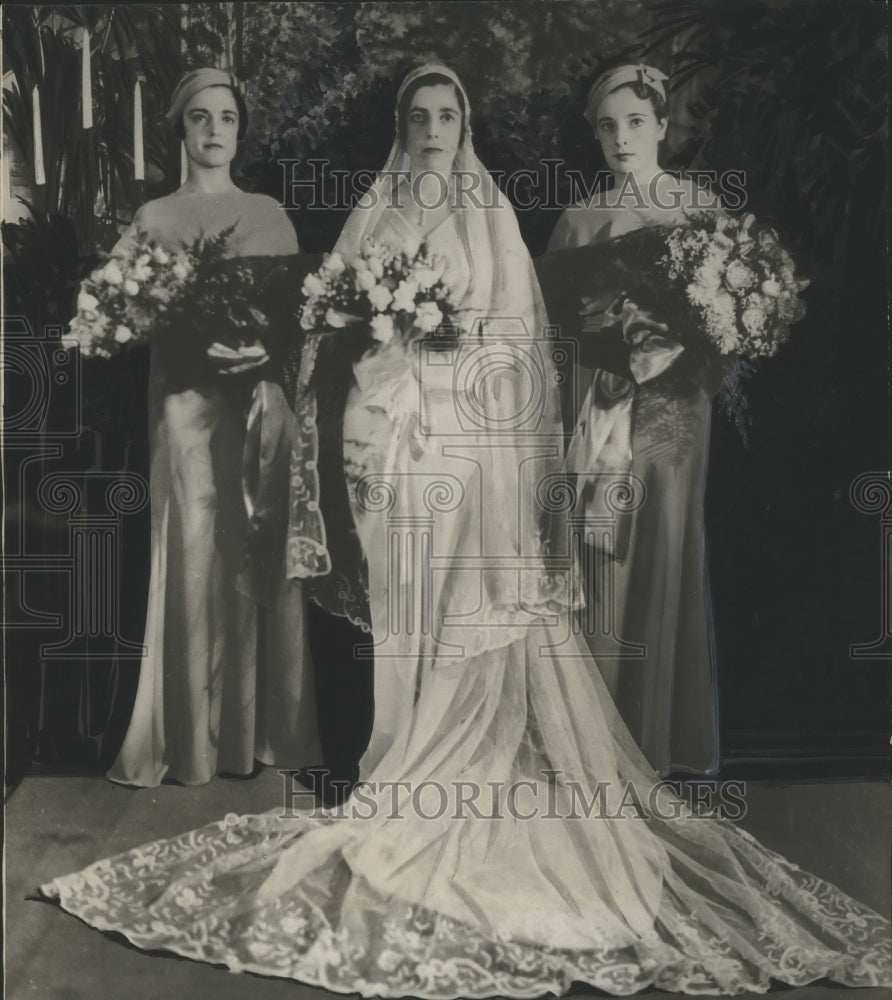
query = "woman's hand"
x=231 y=362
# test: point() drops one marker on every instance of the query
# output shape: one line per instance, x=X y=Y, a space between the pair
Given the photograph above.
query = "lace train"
x=196 y=895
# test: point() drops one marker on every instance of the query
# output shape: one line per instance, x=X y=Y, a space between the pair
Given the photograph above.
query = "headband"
x=190 y=85
x=613 y=79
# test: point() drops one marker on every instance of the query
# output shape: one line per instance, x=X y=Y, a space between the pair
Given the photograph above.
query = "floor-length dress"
x=658 y=659
x=592 y=871
x=224 y=679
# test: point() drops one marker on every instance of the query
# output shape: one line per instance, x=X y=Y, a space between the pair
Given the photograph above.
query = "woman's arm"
x=141 y=223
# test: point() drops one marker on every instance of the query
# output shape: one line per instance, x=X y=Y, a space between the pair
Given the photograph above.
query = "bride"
x=508 y=837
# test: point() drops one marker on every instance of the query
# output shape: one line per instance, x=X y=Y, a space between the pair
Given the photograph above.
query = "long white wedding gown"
x=487 y=704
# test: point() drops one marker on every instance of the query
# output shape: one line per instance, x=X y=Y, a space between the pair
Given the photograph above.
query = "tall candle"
x=86 y=82
x=139 y=170
x=184 y=163
x=39 y=174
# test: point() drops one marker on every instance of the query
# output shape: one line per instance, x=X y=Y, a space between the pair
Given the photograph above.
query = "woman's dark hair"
x=646 y=93
x=180 y=130
x=428 y=80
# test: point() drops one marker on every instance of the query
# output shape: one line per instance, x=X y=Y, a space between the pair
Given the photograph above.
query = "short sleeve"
x=130 y=234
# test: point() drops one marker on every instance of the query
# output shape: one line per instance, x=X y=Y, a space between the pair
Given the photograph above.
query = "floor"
x=54 y=825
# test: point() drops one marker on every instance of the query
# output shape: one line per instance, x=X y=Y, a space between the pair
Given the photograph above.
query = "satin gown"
x=412 y=888
x=224 y=679
x=658 y=659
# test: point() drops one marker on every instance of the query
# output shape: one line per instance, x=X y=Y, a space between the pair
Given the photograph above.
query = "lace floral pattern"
x=195 y=895
x=306 y=553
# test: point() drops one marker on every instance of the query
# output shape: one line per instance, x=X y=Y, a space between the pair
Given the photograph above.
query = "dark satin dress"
x=654 y=642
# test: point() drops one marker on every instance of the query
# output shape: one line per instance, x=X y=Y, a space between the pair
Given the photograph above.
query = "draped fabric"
x=650 y=428
x=508 y=837
x=225 y=677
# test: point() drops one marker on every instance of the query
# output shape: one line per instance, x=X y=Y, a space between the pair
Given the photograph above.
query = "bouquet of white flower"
x=722 y=286
x=149 y=294
x=377 y=297
x=740 y=281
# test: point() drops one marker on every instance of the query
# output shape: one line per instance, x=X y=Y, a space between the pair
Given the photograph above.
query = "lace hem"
x=196 y=895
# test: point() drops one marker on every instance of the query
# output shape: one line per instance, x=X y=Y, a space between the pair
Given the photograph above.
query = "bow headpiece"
x=613 y=79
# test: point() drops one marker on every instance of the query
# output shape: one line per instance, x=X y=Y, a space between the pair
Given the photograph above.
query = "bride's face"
x=629 y=132
x=210 y=127
x=433 y=128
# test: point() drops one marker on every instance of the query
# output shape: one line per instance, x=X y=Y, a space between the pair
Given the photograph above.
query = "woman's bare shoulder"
x=585 y=222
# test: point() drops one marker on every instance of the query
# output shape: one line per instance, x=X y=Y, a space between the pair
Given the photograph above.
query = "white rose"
x=388 y=960
x=404 y=296
x=87 y=302
x=334 y=319
x=313 y=285
x=112 y=273
x=382 y=329
x=753 y=320
x=738 y=275
x=380 y=297
x=122 y=334
x=143 y=259
x=428 y=316
x=180 y=270
x=334 y=263
x=771 y=288
x=365 y=281
x=376 y=266
x=131 y=287
x=161 y=256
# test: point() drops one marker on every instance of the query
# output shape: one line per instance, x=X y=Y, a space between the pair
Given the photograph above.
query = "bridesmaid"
x=658 y=660
x=225 y=675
